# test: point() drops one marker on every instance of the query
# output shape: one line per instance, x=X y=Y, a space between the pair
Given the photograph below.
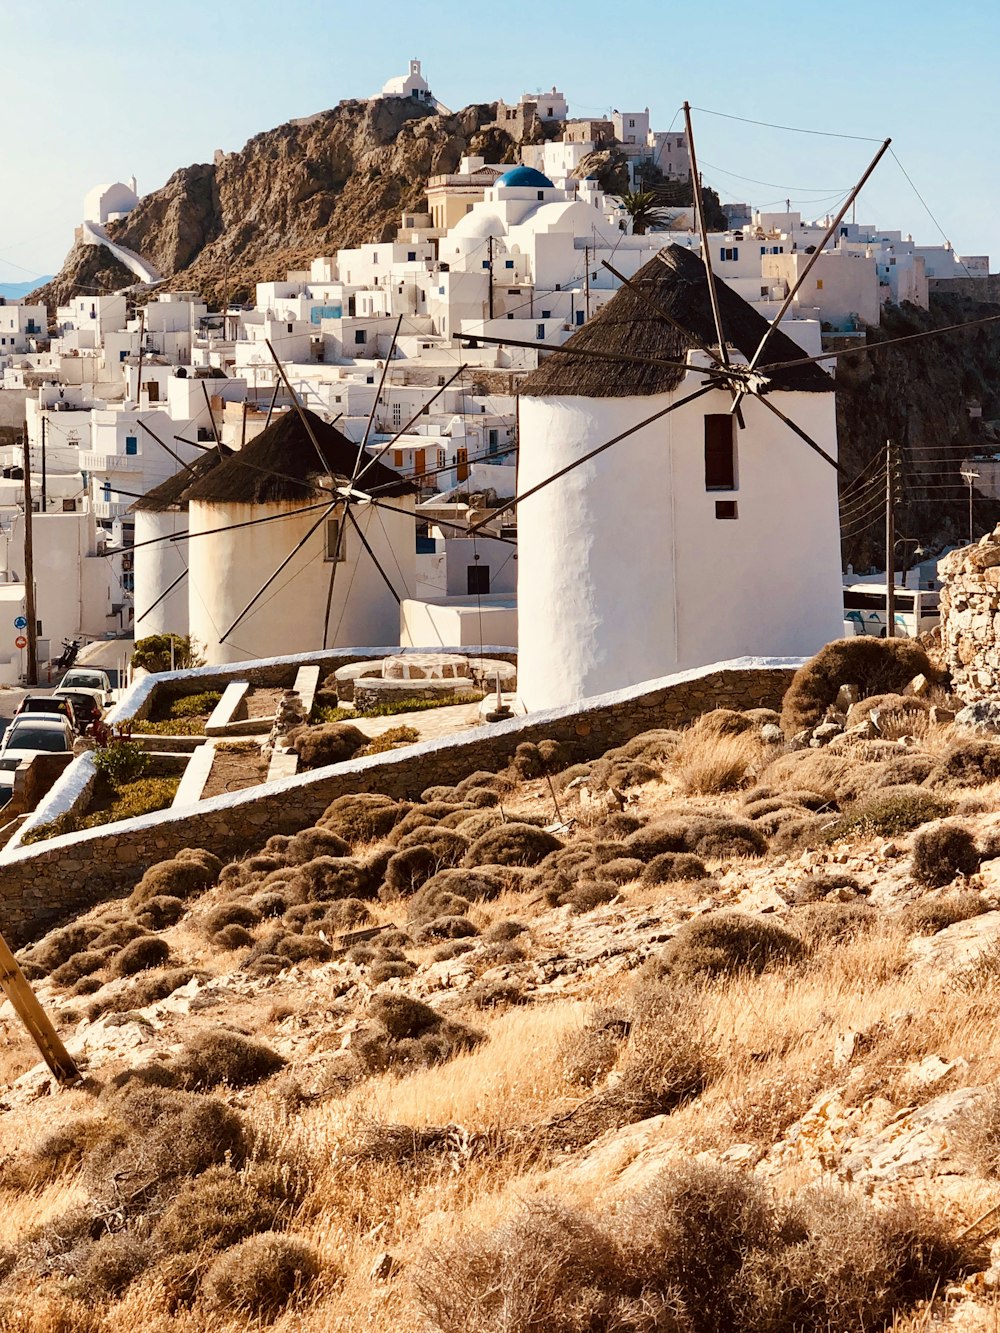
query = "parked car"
x=29 y=735
x=46 y=703
x=87 y=705
x=88 y=678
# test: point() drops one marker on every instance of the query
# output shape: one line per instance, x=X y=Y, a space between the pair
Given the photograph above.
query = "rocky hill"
x=717 y=1052
x=336 y=179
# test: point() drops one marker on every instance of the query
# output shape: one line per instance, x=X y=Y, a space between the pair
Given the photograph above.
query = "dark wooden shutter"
x=720 y=453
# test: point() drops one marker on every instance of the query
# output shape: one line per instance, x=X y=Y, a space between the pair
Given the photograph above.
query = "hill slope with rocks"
x=717 y=1050
x=307 y=188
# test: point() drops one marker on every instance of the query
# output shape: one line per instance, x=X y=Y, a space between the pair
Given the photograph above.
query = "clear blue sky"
x=98 y=91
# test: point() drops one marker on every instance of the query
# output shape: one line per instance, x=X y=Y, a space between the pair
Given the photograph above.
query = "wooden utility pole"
x=45 y=422
x=31 y=632
x=22 y=998
x=890 y=539
x=490 y=243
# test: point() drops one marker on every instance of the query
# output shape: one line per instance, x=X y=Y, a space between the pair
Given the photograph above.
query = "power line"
x=791 y=129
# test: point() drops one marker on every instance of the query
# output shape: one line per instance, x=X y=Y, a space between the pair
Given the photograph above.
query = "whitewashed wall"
x=624 y=572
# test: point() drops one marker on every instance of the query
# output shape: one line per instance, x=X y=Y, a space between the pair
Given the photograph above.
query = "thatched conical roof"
x=675 y=280
x=173 y=493
x=281 y=463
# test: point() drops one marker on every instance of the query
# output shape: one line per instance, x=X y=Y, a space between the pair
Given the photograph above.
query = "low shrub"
x=929 y=915
x=148 y=988
x=622 y=869
x=724 y=838
x=941 y=852
x=725 y=943
x=404 y=1031
x=114 y=1261
x=220 y=1208
x=825 y=922
x=180 y=877
x=330 y=743
x=888 y=812
x=702 y=1248
x=588 y=894
x=120 y=762
x=967 y=763
x=875 y=666
x=193 y=705
x=82 y=964
x=669 y=867
x=161 y=911
x=232 y=937
x=707 y=761
x=260 y=1275
x=391 y=740
x=363 y=816
x=515 y=844
x=228 y=914
x=327 y=878
x=146 y=952
x=434 y=900
x=313 y=842
x=164 y=1134
x=220 y=1055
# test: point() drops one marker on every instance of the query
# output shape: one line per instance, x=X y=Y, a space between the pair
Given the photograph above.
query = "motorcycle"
x=71 y=649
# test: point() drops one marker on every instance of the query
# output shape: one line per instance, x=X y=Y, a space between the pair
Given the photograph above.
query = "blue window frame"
x=131 y=444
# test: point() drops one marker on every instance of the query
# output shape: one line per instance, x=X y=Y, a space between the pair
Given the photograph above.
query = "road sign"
x=20 y=641
x=20 y=622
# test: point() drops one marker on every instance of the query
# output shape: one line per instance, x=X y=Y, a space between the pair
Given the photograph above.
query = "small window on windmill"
x=478 y=577
x=720 y=452
x=335 y=540
x=726 y=509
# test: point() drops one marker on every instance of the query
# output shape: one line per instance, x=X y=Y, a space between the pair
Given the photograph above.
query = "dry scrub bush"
x=669 y=867
x=512 y=845
x=936 y=912
x=888 y=813
x=722 y=944
x=941 y=852
x=708 y=762
x=588 y=1054
x=875 y=666
x=702 y=1249
x=142 y=954
x=903 y=709
x=328 y=878
x=313 y=842
x=220 y=1055
x=260 y=1275
x=822 y=923
x=329 y=743
x=363 y=816
x=967 y=763
x=402 y=1032
x=222 y=1207
x=977 y=1134
x=160 y=912
x=180 y=877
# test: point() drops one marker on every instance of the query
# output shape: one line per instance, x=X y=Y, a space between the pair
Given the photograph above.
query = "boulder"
x=981 y=718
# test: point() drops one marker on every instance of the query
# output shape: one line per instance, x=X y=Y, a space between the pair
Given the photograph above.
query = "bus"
x=917 y=610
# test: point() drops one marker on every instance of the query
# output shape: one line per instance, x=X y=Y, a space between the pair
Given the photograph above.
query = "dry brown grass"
x=707 y=762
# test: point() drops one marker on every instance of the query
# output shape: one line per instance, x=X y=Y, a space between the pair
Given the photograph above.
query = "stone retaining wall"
x=266 y=673
x=49 y=882
x=970 y=617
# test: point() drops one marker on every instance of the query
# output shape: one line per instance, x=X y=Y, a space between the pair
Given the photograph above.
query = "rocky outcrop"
x=340 y=178
x=970 y=617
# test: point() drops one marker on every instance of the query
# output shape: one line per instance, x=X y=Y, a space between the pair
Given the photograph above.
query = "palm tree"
x=645 y=211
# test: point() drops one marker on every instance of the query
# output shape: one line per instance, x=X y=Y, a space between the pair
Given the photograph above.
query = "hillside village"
x=517 y=873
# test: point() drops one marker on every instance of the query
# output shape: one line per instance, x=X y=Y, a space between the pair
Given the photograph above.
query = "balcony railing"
x=109 y=508
x=91 y=461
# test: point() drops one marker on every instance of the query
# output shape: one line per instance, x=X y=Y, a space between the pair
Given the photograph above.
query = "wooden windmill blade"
x=813 y=259
x=375 y=400
x=706 y=255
